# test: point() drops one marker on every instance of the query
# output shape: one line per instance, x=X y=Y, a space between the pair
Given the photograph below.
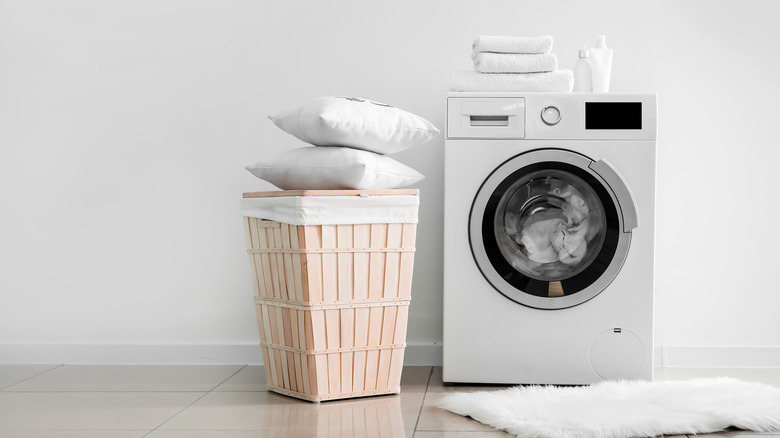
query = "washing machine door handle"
x=618 y=185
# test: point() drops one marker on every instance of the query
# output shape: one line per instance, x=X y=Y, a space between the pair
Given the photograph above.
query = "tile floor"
x=230 y=401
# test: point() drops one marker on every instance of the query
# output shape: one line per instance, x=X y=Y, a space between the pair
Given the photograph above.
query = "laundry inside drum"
x=550 y=225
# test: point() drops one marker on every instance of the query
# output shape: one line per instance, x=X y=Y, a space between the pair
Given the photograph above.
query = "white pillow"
x=333 y=168
x=356 y=123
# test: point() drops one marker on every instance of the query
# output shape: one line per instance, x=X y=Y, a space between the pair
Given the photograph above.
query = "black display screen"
x=613 y=115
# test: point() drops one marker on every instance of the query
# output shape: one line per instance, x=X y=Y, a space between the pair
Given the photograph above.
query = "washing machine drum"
x=548 y=228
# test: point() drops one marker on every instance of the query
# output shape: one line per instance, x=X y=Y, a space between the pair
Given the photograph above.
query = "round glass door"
x=546 y=231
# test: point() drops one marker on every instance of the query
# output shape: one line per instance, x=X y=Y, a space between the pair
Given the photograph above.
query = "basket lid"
x=332 y=207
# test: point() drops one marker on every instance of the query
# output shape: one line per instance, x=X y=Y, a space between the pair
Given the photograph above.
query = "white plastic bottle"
x=601 y=64
x=583 y=77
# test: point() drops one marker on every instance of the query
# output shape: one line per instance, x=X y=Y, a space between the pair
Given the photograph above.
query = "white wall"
x=125 y=126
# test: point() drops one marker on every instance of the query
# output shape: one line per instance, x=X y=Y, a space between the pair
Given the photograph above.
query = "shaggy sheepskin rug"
x=622 y=409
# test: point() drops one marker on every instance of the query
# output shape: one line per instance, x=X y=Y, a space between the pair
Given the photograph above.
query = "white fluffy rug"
x=624 y=409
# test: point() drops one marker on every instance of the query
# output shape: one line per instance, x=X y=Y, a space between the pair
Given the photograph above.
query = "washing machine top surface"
x=554 y=116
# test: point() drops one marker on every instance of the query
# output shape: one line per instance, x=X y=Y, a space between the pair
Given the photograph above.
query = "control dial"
x=551 y=115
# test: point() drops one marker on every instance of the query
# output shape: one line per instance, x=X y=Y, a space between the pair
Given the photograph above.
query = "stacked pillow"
x=351 y=136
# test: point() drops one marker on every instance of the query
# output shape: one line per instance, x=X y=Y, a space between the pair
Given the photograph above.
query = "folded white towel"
x=486 y=62
x=559 y=80
x=507 y=44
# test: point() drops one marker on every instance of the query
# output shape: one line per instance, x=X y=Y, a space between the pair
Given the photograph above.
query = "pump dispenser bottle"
x=583 y=81
x=601 y=63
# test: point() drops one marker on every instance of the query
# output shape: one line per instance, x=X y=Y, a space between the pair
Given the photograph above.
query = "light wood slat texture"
x=297 y=261
x=361 y=239
x=304 y=265
x=260 y=324
x=388 y=331
x=313 y=237
x=282 y=354
x=311 y=362
x=361 y=340
x=401 y=321
x=272 y=258
x=345 y=262
x=332 y=328
x=279 y=372
x=270 y=314
x=265 y=260
x=392 y=261
x=332 y=324
x=267 y=224
x=407 y=261
x=277 y=235
x=321 y=368
x=396 y=367
x=252 y=242
x=330 y=285
x=263 y=339
x=388 y=325
x=376 y=264
x=279 y=193
x=397 y=360
x=296 y=358
x=347 y=331
x=270 y=326
x=258 y=268
x=372 y=363
x=270 y=374
x=304 y=359
x=287 y=323
x=275 y=339
x=374 y=337
x=308 y=357
x=268 y=358
x=289 y=280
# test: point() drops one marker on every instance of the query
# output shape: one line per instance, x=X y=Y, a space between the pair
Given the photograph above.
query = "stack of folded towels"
x=503 y=63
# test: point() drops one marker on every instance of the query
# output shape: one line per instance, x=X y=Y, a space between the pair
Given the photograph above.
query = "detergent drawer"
x=485 y=117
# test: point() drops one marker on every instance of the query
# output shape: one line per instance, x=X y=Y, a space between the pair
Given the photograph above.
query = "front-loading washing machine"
x=549 y=212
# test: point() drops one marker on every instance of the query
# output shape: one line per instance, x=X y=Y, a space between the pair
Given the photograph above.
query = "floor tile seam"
x=428 y=382
x=475 y=432
x=422 y=405
x=425 y=394
x=266 y=429
x=33 y=376
x=177 y=413
x=114 y=391
x=492 y=430
x=65 y=429
x=228 y=378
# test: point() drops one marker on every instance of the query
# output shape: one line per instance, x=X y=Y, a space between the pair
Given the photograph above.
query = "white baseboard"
x=416 y=354
x=423 y=354
x=717 y=356
x=130 y=354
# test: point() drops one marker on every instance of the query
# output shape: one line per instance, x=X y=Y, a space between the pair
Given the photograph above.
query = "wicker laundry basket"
x=332 y=300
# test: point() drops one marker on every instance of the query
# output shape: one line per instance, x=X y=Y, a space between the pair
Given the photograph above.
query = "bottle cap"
x=601 y=42
x=584 y=52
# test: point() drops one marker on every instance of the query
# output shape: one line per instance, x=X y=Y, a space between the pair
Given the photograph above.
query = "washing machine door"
x=551 y=228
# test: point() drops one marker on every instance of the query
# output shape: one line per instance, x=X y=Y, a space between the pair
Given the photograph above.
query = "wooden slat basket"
x=332 y=303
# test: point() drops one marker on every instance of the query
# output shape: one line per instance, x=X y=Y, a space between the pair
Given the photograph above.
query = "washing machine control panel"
x=551 y=116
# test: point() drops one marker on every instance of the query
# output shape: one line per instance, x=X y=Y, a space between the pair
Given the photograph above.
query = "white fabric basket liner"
x=334 y=210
